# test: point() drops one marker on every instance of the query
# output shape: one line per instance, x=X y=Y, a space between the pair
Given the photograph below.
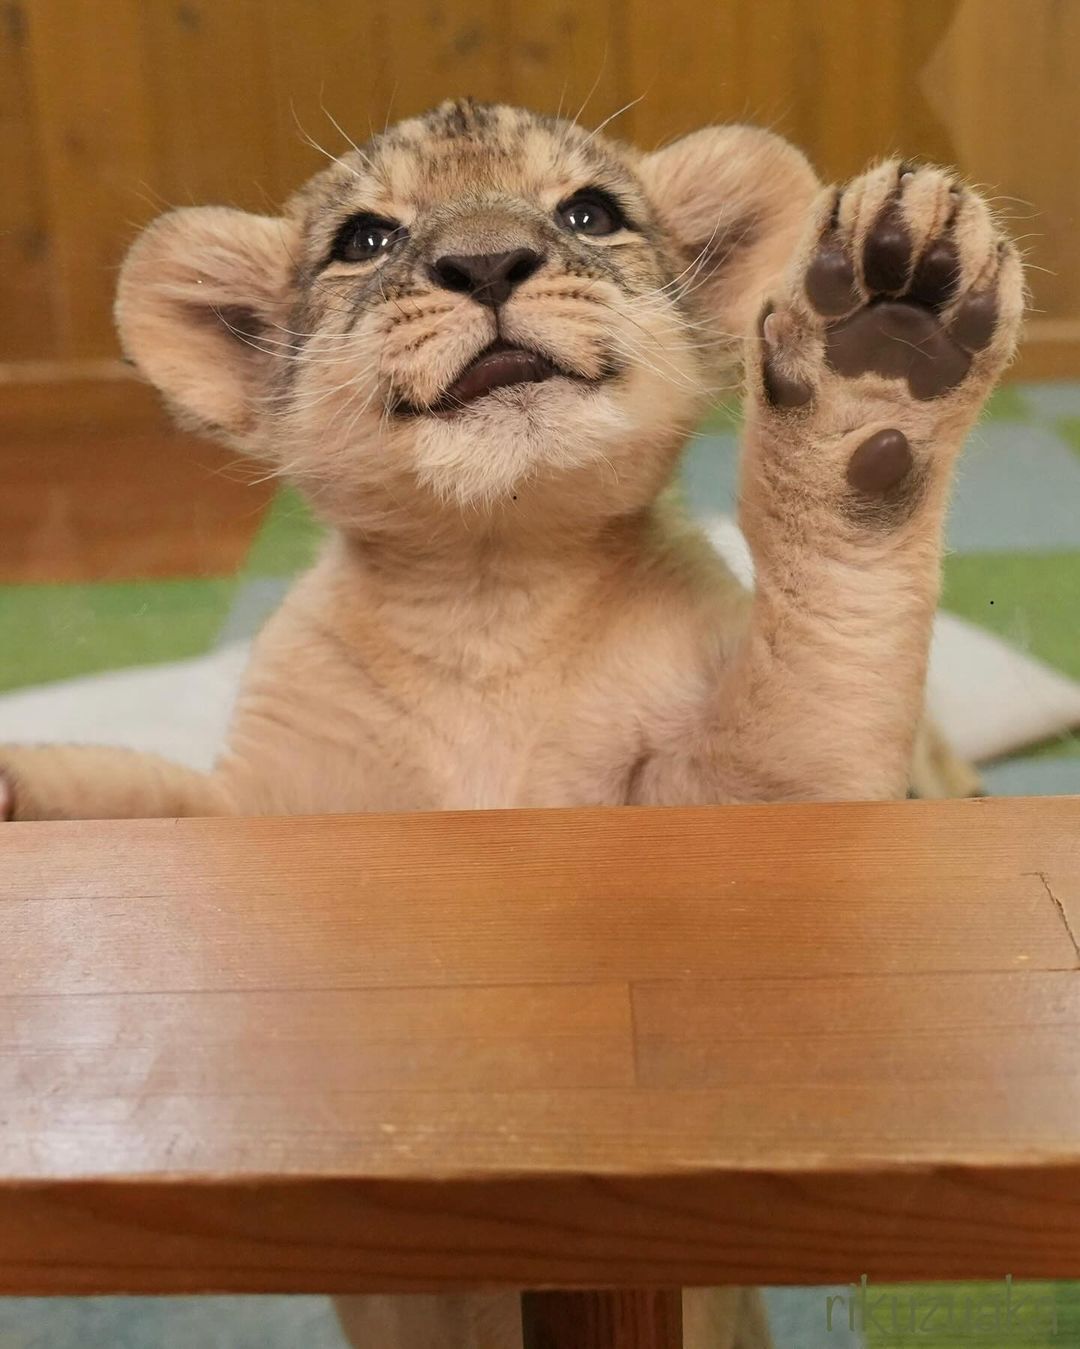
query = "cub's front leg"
x=88 y=782
x=866 y=375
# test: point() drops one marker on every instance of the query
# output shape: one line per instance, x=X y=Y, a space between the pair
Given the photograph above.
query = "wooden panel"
x=280 y=1233
x=366 y=1040
x=1063 y=887
x=696 y=40
x=569 y=59
x=862 y=98
x=75 y=398
x=554 y=1048
x=329 y=84
x=1003 y=82
x=110 y=114
x=99 y=486
x=597 y=1320
x=26 y=295
x=79 y=506
x=835 y=75
x=1050 y=350
x=436 y=51
x=208 y=113
x=90 y=86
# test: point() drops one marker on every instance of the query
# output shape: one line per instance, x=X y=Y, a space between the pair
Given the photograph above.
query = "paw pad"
x=880 y=464
x=887 y=253
x=895 y=327
x=885 y=301
x=898 y=340
x=884 y=479
x=830 y=282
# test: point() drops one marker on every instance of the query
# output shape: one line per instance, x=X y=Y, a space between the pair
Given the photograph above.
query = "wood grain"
x=98 y=486
x=111 y=113
x=627 y=1319
x=211 y=135
x=838 y=76
x=82 y=505
x=26 y=295
x=578 y=1049
x=1000 y=67
x=319 y=75
x=437 y=51
x=570 y=59
x=92 y=92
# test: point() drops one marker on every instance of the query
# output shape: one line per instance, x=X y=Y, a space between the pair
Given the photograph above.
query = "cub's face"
x=480 y=311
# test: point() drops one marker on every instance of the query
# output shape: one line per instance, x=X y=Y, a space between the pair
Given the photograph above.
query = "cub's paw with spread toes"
x=901 y=311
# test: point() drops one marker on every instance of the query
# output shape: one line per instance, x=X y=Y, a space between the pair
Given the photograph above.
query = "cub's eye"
x=366 y=237
x=590 y=212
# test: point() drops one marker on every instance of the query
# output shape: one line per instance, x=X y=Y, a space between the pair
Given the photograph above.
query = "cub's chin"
x=491 y=448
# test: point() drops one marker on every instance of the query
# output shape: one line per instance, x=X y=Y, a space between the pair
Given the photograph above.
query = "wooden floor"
x=744 y=1045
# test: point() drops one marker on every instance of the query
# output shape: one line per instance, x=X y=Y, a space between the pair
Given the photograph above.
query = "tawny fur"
x=512 y=610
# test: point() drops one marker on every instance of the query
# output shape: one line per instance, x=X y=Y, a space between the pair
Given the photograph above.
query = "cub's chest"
x=478 y=749
x=540 y=744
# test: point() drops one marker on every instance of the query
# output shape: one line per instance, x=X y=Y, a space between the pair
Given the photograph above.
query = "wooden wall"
x=112 y=110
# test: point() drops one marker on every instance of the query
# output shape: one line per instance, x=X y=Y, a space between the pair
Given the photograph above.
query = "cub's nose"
x=488 y=278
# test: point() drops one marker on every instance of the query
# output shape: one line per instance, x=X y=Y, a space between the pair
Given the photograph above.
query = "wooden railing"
x=569 y=1049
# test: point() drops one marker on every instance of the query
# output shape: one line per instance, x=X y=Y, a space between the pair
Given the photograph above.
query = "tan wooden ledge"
x=574 y=1049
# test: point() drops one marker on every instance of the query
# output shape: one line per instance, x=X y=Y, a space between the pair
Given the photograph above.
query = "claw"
x=770 y=330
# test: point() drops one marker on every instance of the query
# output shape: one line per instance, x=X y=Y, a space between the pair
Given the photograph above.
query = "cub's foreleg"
x=80 y=782
x=865 y=376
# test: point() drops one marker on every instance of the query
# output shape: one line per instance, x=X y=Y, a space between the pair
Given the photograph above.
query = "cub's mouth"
x=500 y=365
x=497 y=367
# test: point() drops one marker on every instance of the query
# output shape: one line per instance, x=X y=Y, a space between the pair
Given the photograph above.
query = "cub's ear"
x=198 y=290
x=735 y=199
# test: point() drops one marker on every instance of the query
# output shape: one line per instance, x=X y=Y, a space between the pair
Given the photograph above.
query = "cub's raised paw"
x=905 y=286
x=7 y=798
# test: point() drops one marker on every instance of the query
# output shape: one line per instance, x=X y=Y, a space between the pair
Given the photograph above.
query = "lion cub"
x=478 y=345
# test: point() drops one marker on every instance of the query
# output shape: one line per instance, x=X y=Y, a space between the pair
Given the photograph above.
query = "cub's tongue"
x=496 y=369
